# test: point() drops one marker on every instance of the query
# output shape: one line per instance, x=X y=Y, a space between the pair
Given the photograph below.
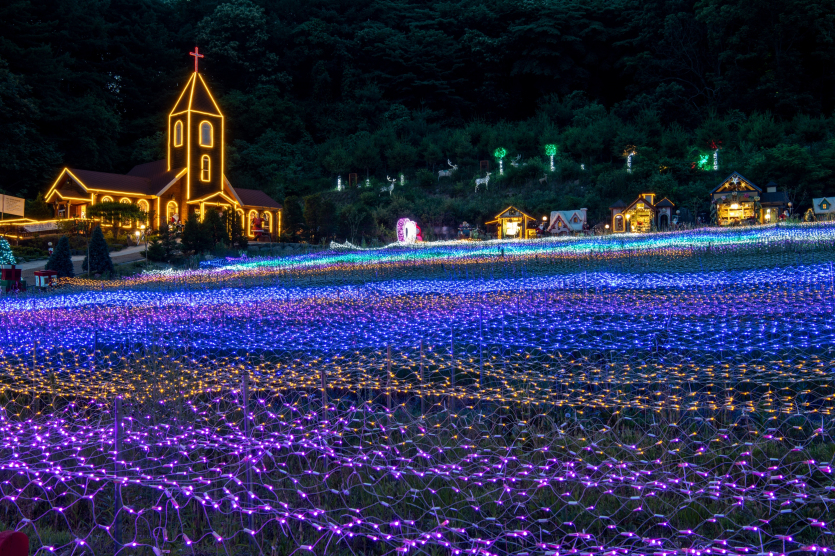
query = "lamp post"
x=790 y=209
x=145 y=238
x=607 y=228
x=628 y=223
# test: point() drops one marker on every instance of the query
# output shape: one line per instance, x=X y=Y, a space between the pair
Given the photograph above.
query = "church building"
x=190 y=180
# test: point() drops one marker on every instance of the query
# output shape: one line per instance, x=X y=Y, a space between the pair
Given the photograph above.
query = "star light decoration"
x=288 y=414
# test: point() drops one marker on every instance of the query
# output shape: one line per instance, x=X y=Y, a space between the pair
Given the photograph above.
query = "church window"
x=178 y=133
x=205 y=134
x=205 y=168
x=172 y=212
x=144 y=207
x=107 y=199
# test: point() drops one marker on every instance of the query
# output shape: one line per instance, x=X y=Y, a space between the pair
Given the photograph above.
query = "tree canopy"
x=312 y=90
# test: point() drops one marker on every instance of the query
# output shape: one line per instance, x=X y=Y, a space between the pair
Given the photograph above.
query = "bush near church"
x=61 y=259
x=99 y=258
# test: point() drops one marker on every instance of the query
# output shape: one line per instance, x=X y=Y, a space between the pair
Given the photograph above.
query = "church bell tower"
x=196 y=138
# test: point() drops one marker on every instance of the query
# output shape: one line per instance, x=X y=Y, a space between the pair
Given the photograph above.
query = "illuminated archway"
x=172 y=211
x=268 y=223
x=106 y=199
x=252 y=214
x=145 y=207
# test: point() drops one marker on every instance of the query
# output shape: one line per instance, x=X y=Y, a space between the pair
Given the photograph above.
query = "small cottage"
x=512 y=223
x=644 y=214
x=738 y=200
x=565 y=222
x=823 y=208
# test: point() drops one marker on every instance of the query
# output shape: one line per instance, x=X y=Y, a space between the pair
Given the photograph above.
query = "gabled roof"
x=617 y=204
x=513 y=212
x=665 y=202
x=196 y=96
x=567 y=217
x=731 y=177
x=256 y=198
x=640 y=199
x=115 y=183
x=817 y=205
x=157 y=174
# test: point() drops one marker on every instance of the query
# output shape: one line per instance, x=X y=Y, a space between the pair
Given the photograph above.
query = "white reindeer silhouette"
x=447 y=173
x=485 y=180
x=390 y=186
x=515 y=161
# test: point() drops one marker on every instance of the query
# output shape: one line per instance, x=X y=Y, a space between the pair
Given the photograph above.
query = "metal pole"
x=117 y=488
x=388 y=377
x=245 y=401
x=452 y=366
x=422 y=382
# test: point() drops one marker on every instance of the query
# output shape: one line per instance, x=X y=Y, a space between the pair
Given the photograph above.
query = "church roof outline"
x=196 y=97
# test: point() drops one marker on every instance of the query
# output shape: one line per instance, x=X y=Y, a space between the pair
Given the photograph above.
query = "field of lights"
x=665 y=394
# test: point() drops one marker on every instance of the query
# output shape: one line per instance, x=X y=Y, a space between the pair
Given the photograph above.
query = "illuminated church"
x=190 y=180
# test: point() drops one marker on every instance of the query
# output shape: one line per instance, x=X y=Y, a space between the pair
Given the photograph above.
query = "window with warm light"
x=205 y=168
x=205 y=134
x=178 y=134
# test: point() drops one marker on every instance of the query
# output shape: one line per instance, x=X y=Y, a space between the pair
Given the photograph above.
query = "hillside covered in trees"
x=314 y=89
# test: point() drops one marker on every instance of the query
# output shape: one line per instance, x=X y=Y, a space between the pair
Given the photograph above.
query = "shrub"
x=61 y=259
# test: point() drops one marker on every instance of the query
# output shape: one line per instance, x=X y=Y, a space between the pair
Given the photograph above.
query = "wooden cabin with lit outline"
x=642 y=215
x=190 y=180
x=512 y=223
x=739 y=200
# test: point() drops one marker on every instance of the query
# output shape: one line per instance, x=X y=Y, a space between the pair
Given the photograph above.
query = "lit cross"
x=196 y=55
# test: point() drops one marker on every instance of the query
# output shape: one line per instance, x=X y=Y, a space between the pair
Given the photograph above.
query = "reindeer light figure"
x=447 y=173
x=485 y=181
x=389 y=187
x=515 y=161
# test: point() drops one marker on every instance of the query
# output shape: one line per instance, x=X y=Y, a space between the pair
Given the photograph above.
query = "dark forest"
x=315 y=89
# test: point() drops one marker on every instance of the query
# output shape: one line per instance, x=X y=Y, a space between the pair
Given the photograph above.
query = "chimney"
x=772 y=189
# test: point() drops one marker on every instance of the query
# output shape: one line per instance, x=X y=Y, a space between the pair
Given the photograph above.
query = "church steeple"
x=196 y=137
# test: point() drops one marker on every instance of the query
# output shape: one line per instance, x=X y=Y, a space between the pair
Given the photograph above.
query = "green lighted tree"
x=61 y=259
x=500 y=153
x=6 y=255
x=551 y=151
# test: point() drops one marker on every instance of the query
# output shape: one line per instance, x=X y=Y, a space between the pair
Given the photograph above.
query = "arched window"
x=268 y=223
x=106 y=199
x=178 y=133
x=253 y=214
x=619 y=223
x=205 y=134
x=144 y=207
x=172 y=212
x=125 y=201
x=205 y=168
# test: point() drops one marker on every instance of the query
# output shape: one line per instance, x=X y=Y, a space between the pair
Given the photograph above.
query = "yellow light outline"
x=208 y=178
x=249 y=232
x=106 y=199
x=211 y=134
x=176 y=209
